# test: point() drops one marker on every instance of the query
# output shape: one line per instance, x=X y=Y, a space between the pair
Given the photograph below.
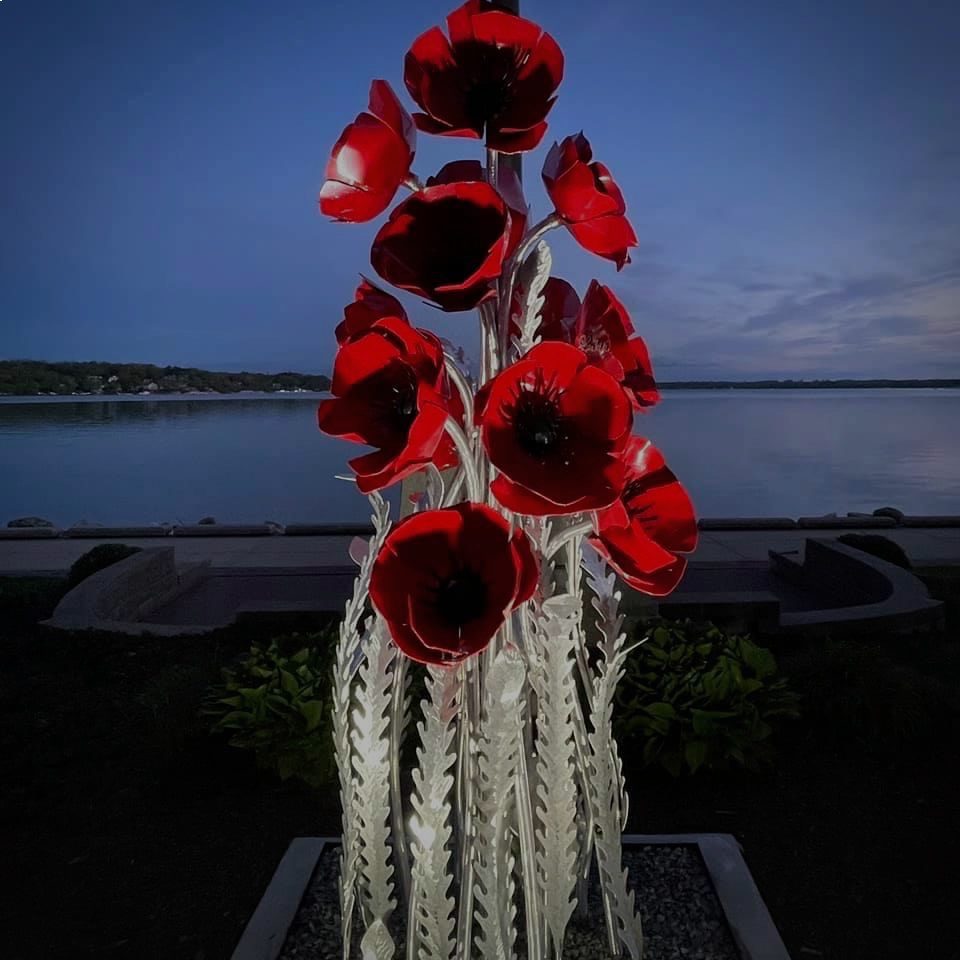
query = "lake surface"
x=254 y=458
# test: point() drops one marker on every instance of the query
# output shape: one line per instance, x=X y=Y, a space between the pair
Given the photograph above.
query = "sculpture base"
x=695 y=894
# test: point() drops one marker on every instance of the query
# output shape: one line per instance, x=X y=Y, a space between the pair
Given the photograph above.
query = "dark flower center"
x=449 y=239
x=539 y=427
x=398 y=399
x=461 y=598
x=490 y=73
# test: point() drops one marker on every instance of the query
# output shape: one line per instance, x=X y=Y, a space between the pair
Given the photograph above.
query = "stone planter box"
x=744 y=924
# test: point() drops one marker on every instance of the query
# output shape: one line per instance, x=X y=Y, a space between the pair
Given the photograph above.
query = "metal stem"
x=528 y=861
x=493 y=167
x=508 y=276
x=463 y=388
x=469 y=716
x=400 y=851
x=453 y=488
x=569 y=535
x=462 y=444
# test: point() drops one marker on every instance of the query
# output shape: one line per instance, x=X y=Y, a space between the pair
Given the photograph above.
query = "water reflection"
x=250 y=459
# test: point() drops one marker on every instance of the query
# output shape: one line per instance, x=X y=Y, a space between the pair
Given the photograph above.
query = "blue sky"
x=792 y=170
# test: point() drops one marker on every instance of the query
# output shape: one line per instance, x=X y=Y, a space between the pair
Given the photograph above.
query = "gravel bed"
x=682 y=918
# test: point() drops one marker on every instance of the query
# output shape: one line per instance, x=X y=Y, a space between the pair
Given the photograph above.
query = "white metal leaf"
x=556 y=807
x=498 y=750
x=623 y=922
x=371 y=763
x=531 y=280
x=347 y=651
x=376 y=943
x=431 y=922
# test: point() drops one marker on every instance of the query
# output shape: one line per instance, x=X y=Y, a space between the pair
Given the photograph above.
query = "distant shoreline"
x=675 y=385
x=196 y=395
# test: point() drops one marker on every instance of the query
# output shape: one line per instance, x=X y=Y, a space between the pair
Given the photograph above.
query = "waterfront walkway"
x=926 y=547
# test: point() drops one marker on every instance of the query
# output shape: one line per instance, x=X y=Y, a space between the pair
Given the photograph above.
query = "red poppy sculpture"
x=523 y=458
x=494 y=78
x=370 y=160
x=588 y=201
x=602 y=329
x=390 y=391
x=445 y=580
x=652 y=522
x=369 y=305
x=555 y=427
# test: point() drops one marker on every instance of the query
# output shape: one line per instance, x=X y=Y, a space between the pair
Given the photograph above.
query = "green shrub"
x=697 y=697
x=99 y=558
x=277 y=702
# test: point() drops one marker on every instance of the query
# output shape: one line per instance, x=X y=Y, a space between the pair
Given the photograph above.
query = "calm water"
x=740 y=452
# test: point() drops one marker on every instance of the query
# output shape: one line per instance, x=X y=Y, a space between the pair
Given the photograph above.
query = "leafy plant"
x=698 y=697
x=278 y=704
x=97 y=559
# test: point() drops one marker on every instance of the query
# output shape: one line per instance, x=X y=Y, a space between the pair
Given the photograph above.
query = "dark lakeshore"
x=32 y=378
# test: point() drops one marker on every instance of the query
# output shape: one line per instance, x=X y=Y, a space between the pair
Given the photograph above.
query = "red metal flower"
x=370 y=160
x=508 y=186
x=447 y=243
x=445 y=581
x=370 y=304
x=653 y=521
x=496 y=77
x=390 y=391
x=602 y=329
x=588 y=200
x=555 y=428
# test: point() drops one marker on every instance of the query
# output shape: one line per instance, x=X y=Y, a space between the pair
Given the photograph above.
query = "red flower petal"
x=560 y=308
x=496 y=76
x=638 y=377
x=351 y=204
x=370 y=304
x=370 y=160
x=608 y=237
x=656 y=500
x=554 y=427
x=598 y=405
x=385 y=105
x=446 y=579
x=642 y=533
x=587 y=198
x=446 y=242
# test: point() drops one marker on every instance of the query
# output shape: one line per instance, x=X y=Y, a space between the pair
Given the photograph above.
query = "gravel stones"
x=682 y=917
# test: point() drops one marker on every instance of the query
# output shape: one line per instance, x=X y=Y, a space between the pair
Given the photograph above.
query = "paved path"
x=925 y=547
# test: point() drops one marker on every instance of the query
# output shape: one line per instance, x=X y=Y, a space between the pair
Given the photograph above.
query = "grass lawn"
x=130 y=832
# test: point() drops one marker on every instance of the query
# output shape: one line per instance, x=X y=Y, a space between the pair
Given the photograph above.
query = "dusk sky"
x=792 y=171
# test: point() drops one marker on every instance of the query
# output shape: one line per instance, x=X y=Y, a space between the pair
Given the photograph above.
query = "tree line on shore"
x=35 y=378
x=28 y=378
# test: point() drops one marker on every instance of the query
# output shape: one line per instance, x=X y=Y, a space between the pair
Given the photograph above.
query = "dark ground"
x=130 y=832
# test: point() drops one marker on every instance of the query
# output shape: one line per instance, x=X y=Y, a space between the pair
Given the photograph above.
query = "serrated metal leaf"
x=431 y=924
x=498 y=749
x=376 y=943
x=531 y=280
x=556 y=793
x=623 y=922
